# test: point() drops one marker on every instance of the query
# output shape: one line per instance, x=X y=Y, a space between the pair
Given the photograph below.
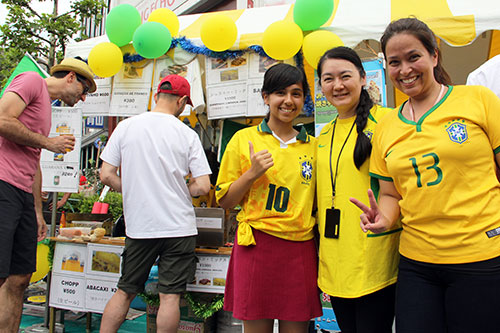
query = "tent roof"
x=458 y=22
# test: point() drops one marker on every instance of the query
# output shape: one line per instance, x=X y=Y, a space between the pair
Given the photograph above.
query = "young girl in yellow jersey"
x=358 y=271
x=269 y=170
x=435 y=161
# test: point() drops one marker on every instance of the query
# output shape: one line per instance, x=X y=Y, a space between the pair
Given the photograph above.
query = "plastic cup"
x=66 y=131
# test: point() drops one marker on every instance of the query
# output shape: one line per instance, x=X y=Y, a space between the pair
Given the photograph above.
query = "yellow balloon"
x=166 y=17
x=42 y=263
x=317 y=43
x=282 y=40
x=105 y=59
x=218 y=32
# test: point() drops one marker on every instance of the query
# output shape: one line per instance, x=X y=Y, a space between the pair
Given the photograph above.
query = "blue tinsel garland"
x=188 y=46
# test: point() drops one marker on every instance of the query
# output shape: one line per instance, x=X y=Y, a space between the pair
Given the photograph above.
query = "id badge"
x=332 y=223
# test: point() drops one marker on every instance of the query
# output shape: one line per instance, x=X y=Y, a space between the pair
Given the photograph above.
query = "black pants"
x=372 y=313
x=448 y=298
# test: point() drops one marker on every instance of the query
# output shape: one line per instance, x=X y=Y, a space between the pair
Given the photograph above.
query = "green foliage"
x=202 y=308
x=84 y=204
x=41 y=35
x=150 y=299
x=114 y=199
x=92 y=175
x=104 y=139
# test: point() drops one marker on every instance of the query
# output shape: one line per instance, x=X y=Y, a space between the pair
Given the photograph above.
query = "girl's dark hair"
x=363 y=146
x=280 y=76
x=424 y=34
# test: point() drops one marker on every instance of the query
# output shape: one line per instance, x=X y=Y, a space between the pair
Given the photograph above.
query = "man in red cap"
x=156 y=151
x=25 y=120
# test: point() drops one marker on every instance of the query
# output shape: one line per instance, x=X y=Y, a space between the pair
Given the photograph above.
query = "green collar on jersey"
x=421 y=120
x=302 y=136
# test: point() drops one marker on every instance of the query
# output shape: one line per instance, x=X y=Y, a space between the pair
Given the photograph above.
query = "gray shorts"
x=176 y=266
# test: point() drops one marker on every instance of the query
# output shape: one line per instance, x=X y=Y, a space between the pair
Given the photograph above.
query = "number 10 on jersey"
x=277 y=198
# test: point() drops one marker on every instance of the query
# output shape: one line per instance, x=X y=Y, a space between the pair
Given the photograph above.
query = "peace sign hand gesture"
x=372 y=218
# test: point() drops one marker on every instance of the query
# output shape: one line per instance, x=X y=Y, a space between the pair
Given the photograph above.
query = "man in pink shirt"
x=25 y=120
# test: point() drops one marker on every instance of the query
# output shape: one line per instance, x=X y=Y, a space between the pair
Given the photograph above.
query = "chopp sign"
x=148 y=6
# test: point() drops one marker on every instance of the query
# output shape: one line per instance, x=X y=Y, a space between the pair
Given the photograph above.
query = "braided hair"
x=363 y=147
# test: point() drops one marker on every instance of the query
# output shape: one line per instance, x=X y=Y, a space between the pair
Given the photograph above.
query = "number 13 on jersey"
x=434 y=167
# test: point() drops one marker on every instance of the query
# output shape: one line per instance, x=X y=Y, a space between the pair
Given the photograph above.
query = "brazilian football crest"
x=368 y=133
x=457 y=131
x=306 y=168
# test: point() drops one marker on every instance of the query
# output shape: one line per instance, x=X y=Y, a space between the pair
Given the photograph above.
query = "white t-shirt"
x=487 y=75
x=156 y=152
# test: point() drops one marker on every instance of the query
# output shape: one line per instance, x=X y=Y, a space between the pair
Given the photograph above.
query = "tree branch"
x=67 y=13
x=32 y=11
x=37 y=36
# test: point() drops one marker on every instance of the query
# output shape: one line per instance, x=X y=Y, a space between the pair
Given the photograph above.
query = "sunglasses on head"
x=83 y=81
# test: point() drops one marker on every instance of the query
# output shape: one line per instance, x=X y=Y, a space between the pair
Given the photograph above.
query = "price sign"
x=67 y=292
x=211 y=273
x=98 y=293
x=129 y=101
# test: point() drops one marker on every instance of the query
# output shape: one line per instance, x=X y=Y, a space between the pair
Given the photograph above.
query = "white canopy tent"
x=457 y=22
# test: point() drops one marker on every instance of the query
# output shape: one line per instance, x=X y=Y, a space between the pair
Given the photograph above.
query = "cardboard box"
x=210 y=224
x=151 y=312
x=186 y=312
x=190 y=327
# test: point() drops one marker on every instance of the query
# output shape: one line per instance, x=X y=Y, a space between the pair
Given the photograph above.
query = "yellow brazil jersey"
x=356 y=263
x=443 y=167
x=280 y=201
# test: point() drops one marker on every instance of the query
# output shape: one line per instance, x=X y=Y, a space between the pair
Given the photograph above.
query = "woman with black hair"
x=269 y=170
x=435 y=159
x=358 y=271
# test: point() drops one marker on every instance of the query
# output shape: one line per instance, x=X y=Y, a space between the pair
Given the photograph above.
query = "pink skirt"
x=275 y=279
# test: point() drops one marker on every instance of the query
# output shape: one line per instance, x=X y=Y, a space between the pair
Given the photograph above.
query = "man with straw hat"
x=25 y=120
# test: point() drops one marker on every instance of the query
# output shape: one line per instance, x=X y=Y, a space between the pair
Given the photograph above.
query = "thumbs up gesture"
x=261 y=161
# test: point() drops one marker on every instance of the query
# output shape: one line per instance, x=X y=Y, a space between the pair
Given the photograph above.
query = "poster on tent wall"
x=60 y=171
x=191 y=71
x=258 y=65
x=131 y=88
x=375 y=81
x=324 y=112
x=97 y=103
x=233 y=86
x=226 y=87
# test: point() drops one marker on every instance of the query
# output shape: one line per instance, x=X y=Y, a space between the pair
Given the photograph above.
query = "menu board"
x=233 y=86
x=60 y=171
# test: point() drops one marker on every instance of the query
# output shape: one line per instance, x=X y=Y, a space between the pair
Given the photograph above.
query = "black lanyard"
x=334 y=180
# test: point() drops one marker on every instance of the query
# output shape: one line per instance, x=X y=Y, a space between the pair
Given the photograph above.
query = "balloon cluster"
x=283 y=39
x=218 y=32
x=150 y=39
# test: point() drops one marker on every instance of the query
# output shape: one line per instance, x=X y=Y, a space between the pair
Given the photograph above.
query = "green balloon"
x=312 y=14
x=152 y=40
x=121 y=23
